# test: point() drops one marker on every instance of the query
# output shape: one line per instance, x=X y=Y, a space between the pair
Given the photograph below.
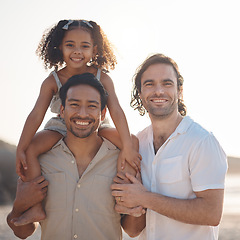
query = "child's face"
x=77 y=48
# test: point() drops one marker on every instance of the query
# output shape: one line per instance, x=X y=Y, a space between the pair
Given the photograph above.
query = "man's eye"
x=92 y=106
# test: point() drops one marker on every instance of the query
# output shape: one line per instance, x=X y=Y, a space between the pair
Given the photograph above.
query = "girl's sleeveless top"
x=56 y=101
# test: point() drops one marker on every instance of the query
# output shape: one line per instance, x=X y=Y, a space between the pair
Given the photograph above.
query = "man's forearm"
x=205 y=209
x=28 y=194
x=133 y=226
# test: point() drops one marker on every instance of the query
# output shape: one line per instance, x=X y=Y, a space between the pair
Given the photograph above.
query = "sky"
x=201 y=36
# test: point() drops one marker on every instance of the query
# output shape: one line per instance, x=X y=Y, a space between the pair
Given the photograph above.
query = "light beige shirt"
x=80 y=208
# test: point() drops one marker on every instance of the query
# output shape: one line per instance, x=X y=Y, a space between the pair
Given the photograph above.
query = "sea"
x=232 y=195
x=231 y=207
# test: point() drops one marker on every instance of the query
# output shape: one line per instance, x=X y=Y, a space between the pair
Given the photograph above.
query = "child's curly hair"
x=48 y=48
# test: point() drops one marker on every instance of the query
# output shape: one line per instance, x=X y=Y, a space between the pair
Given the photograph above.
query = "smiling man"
x=183 y=166
x=80 y=170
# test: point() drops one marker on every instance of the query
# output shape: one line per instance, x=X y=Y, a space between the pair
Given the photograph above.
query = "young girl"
x=75 y=46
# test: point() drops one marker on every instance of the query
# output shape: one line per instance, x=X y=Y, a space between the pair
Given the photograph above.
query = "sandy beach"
x=229 y=227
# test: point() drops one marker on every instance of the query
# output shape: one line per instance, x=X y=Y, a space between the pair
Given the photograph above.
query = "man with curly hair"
x=183 y=166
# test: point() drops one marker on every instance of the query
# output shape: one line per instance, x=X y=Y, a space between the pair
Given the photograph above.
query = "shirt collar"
x=183 y=125
x=181 y=128
x=106 y=143
x=63 y=145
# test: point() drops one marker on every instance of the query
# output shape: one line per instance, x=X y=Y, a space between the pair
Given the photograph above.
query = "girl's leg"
x=41 y=143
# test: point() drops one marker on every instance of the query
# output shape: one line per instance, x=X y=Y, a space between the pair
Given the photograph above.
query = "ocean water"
x=232 y=194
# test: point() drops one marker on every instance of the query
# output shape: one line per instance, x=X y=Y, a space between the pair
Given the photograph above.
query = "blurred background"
x=201 y=36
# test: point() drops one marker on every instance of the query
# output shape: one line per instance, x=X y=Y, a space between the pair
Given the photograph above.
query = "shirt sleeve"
x=208 y=165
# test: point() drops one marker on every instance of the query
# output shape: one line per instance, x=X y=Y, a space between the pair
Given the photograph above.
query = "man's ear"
x=62 y=111
x=180 y=93
x=103 y=113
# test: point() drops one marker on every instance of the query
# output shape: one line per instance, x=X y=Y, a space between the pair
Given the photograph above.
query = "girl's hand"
x=135 y=212
x=21 y=163
x=130 y=155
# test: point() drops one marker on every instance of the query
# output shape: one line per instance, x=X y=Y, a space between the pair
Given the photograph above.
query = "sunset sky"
x=201 y=36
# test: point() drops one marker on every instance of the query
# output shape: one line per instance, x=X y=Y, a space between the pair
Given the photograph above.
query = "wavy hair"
x=136 y=101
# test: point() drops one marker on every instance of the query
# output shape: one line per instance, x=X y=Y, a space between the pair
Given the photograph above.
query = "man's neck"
x=88 y=146
x=83 y=149
x=163 y=128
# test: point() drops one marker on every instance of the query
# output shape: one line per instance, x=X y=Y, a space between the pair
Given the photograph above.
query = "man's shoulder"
x=144 y=133
x=198 y=130
x=110 y=146
x=58 y=148
x=198 y=135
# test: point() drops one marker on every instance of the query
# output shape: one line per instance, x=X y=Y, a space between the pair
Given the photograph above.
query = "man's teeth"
x=159 y=100
x=82 y=123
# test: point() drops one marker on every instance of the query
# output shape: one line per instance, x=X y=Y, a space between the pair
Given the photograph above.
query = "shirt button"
x=76 y=210
x=75 y=236
x=72 y=161
x=78 y=185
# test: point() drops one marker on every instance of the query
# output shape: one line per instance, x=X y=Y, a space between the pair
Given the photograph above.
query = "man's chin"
x=81 y=133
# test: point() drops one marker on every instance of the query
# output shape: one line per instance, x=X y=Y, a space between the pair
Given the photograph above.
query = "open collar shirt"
x=190 y=160
x=80 y=208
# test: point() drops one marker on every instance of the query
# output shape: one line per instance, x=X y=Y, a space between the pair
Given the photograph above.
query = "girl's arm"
x=113 y=136
x=34 y=120
x=129 y=153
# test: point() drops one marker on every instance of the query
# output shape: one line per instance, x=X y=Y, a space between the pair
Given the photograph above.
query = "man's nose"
x=82 y=112
x=159 y=89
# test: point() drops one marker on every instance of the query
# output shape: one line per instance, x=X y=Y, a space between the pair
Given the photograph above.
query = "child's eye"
x=69 y=45
x=86 y=46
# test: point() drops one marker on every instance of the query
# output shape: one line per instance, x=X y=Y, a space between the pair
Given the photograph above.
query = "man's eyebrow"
x=147 y=81
x=168 y=80
x=73 y=100
x=164 y=80
x=94 y=101
x=78 y=100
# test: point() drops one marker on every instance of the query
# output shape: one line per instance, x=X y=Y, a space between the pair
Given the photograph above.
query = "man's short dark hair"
x=88 y=79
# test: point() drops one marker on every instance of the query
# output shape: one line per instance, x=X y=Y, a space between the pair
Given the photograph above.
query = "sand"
x=229 y=227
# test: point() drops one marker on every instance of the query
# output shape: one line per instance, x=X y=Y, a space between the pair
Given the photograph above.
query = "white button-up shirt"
x=190 y=160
